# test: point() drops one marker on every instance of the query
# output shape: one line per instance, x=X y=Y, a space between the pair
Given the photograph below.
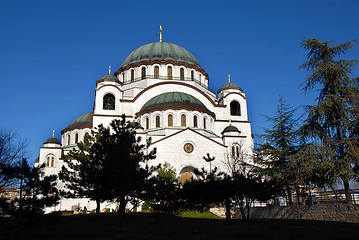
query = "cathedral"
x=163 y=87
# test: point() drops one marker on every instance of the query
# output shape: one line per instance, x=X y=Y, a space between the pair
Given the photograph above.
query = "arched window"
x=183 y=120
x=76 y=138
x=132 y=75
x=170 y=120
x=143 y=73
x=157 y=72
x=147 y=126
x=192 y=75
x=200 y=77
x=123 y=76
x=195 y=121
x=235 y=108
x=236 y=150
x=158 y=121
x=109 y=102
x=68 y=140
x=50 y=160
x=169 y=72
x=205 y=123
x=182 y=74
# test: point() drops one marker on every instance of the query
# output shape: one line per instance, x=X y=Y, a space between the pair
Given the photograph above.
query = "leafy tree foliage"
x=163 y=190
x=244 y=184
x=332 y=124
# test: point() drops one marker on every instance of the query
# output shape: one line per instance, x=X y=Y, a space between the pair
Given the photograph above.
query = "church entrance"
x=186 y=176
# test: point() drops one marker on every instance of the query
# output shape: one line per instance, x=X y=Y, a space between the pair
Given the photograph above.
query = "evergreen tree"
x=275 y=156
x=37 y=190
x=84 y=174
x=332 y=124
x=110 y=165
x=125 y=161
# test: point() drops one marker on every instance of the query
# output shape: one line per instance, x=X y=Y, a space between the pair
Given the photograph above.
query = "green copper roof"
x=52 y=140
x=173 y=99
x=81 y=120
x=109 y=77
x=229 y=85
x=160 y=51
x=230 y=129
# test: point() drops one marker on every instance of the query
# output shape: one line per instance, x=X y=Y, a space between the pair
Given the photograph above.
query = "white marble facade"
x=164 y=88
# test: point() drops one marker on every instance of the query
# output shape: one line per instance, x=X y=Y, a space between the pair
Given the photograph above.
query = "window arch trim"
x=109 y=102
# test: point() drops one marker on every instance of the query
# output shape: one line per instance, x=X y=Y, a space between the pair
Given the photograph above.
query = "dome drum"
x=174 y=101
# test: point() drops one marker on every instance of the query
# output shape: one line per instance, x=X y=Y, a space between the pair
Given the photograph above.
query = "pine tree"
x=110 y=164
x=83 y=176
x=332 y=123
x=275 y=156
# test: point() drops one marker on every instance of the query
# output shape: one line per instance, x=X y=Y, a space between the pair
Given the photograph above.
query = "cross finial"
x=230 y=122
x=229 y=78
x=53 y=133
x=265 y=141
x=109 y=70
x=134 y=117
x=160 y=33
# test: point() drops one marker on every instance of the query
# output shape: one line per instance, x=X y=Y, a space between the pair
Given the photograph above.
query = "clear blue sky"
x=52 y=52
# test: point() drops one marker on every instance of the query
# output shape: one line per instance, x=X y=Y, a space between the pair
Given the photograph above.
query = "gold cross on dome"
x=53 y=133
x=160 y=34
x=229 y=78
x=134 y=117
x=109 y=70
x=230 y=122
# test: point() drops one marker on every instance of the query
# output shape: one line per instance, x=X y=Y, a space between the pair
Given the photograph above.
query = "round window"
x=188 y=148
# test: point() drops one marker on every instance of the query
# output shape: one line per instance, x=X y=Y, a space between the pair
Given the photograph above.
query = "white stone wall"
x=169 y=141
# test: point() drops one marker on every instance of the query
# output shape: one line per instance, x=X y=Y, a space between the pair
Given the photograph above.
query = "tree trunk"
x=227 y=204
x=20 y=200
x=248 y=207
x=289 y=193
x=121 y=209
x=98 y=205
x=297 y=190
x=348 y=195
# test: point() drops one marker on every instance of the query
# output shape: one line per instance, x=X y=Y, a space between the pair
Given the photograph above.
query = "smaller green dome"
x=173 y=99
x=84 y=119
x=109 y=77
x=229 y=85
x=230 y=129
x=52 y=140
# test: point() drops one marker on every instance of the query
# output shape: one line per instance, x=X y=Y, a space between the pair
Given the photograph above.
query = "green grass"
x=195 y=214
x=161 y=226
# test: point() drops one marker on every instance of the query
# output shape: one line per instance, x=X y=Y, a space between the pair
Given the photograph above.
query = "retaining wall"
x=323 y=212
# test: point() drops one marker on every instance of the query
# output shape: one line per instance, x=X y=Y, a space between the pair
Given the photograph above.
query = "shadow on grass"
x=160 y=226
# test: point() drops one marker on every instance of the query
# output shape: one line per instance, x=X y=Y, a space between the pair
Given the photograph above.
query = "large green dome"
x=173 y=100
x=161 y=51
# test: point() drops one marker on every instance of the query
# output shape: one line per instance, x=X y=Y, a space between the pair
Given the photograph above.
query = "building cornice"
x=176 y=83
x=163 y=62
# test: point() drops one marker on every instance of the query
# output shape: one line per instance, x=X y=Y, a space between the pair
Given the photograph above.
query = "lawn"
x=153 y=226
